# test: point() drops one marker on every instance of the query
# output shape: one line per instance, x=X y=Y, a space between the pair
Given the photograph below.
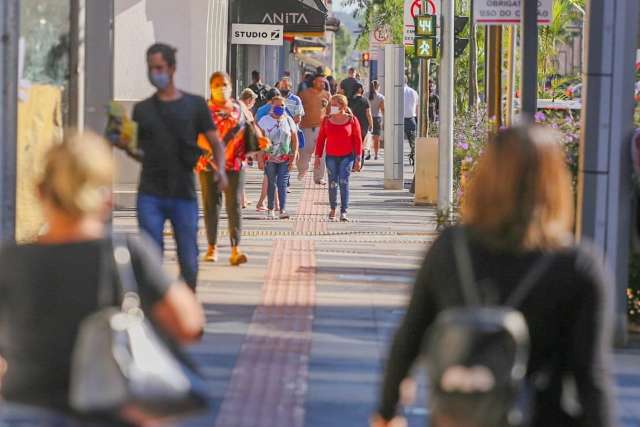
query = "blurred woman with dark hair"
x=376 y=101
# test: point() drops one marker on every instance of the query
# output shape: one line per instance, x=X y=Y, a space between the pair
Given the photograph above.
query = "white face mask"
x=334 y=110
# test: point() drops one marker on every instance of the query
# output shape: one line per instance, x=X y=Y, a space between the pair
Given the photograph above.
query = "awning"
x=297 y=16
x=333 y=24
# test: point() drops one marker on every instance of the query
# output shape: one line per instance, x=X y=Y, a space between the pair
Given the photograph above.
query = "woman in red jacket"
x=340 y=134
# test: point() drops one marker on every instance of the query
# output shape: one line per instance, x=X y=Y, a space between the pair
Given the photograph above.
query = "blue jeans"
x=277 y=176
x=339 y=170
x=154 y=211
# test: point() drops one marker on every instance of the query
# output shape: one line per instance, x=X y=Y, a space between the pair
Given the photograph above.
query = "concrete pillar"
x=98 y=62
x=394 y=118
x=604 y=205
x=9 y=36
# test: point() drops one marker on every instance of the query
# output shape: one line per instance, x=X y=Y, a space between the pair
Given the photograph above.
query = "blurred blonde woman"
x=48 y=287
x=517 y=210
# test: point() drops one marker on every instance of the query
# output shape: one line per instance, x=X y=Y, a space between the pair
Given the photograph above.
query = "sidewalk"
x=298 y=336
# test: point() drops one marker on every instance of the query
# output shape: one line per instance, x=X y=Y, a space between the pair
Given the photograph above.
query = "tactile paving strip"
x=269 y=381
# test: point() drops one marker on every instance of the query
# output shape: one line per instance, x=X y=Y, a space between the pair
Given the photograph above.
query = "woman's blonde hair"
x=341 y=99
x=520 y=193
x=78 y=174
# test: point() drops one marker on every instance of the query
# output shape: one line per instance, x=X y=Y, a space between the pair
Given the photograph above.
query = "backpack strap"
x=529 y=281
x=470 y=292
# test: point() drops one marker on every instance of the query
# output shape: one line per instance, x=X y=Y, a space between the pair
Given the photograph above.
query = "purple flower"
x=554 y=126
x=463 y=146
x=540 y=117
x=468 y=159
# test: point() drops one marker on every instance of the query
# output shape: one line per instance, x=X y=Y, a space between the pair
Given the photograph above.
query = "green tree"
x=377 y=12
x=564 y=14
x=344 y=45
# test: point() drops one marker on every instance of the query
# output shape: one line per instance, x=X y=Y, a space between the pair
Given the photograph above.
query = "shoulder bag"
x=121 y=368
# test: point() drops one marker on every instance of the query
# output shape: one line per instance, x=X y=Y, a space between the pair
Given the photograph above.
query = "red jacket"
x=340 y=140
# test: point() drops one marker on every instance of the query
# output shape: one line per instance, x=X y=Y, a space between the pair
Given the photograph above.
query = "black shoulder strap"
x=166 y=122
x=470 y=292
x=465 y=270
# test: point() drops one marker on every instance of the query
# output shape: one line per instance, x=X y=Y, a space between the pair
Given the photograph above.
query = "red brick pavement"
x=269 y=382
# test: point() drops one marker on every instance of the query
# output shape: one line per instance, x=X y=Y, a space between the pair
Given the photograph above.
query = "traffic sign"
x=426 y=47
x=491 y=12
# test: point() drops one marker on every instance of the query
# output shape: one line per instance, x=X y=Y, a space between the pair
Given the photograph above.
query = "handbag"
x=121 y=368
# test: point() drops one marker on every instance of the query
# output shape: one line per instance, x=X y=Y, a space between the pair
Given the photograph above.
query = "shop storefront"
x=300 y=18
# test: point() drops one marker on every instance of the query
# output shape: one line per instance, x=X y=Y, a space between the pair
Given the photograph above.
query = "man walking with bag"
x=168 y=126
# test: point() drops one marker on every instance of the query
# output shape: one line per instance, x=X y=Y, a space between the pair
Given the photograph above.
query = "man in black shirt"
x=362 y=110
x=169 y=123
x=348 y=85
x=260 y=89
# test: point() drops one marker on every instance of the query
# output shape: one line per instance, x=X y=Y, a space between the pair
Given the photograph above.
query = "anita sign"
x=285 y=18
x=296 y=16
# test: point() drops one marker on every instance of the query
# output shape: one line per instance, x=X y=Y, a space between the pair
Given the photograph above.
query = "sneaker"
x=284 y=215
x=211 y=255
x=321 y=182
x=368 y=156
x=344 y=217
x=288 y=190
x=332 y=215
x=271 y=214
x=375 y=158
x=237 y=257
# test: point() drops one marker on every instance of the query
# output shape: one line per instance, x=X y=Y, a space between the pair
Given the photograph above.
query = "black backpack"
x=261 y=90
x=477 y=354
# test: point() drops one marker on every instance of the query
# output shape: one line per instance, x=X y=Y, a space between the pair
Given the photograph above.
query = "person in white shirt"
x=281 y=129
x=410 y=118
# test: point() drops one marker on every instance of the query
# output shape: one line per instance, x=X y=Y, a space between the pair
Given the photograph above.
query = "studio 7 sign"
x=504 y=12
x=269 y=35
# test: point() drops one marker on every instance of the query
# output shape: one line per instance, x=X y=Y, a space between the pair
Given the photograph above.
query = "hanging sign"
x=507 y=12
x=270 y=35
x=413 y=8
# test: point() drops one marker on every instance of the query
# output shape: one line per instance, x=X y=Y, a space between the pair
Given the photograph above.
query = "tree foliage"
x=344 y=44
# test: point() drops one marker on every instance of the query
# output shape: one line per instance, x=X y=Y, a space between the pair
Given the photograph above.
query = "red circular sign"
x=416 y=8
x=381 y=34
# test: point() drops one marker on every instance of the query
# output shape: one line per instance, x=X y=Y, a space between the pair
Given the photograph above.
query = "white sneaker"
x=271 y=214
x=344 y=217
x=284 y=215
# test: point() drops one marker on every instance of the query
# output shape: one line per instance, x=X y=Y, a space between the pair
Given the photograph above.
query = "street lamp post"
x=445 y=147
x=529 y=46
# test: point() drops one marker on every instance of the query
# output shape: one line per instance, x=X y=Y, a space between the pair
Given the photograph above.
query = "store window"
x=43 y=100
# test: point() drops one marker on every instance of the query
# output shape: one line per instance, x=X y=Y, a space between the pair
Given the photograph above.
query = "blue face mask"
x=159 y=80
x=278 y=111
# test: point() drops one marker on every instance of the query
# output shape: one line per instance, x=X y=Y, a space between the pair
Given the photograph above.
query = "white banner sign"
x=270 y=35
x=412 y=9
x=505 y=12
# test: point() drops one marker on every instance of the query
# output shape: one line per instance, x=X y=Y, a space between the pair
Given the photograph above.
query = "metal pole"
x=445 y=147
x=529 y=46
x=9 y=54
x=607 y=126
x=494 y=99
x=423 y=120
x=511 y=55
